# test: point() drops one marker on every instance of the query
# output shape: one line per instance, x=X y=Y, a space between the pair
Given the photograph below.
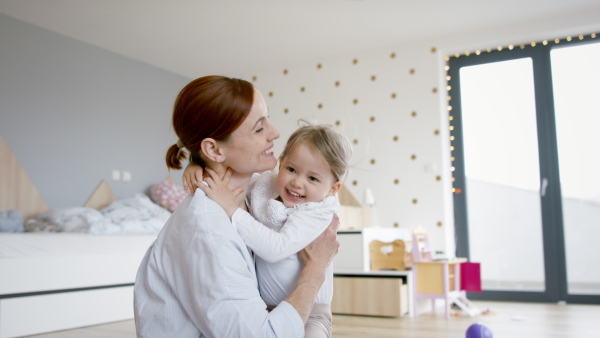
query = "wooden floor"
x=504 y=320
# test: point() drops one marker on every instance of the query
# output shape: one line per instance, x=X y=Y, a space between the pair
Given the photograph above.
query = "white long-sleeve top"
x=277 y=233
x=198 y=280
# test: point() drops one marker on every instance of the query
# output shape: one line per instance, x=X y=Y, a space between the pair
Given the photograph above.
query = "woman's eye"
x=259 y=130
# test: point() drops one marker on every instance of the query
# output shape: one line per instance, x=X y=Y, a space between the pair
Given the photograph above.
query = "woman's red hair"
x=208 y=107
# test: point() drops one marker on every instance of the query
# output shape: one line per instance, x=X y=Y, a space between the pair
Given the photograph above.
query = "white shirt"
x=277 y=233
x=198 y=280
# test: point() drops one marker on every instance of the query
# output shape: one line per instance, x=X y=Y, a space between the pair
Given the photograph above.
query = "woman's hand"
x=192 y=177
x=218 y=190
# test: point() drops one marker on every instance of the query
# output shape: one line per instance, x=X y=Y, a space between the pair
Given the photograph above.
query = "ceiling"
x=234 y=37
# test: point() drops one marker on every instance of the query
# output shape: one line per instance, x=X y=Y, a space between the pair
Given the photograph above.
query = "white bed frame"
x=44 y=294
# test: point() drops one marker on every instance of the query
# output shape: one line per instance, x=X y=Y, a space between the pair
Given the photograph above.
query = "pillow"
x=168 y=194
x=137 y=214
x=36 y=225
x=11 y=221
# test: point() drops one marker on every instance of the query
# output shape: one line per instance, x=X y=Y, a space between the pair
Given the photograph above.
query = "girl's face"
x=250 y=146
x=304 y=176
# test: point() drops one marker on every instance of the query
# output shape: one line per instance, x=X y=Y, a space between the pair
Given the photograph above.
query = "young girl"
x=291 y=209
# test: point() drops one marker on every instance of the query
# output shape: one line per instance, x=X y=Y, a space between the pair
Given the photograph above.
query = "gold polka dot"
x=320 y=106
x=319 y=66
x=395 y=138
x=436 y=132
x=521 y=46
x=434 y=90
x=285 y=71
x=393 y=95
x=433 y=49
x=286 y=110
x=452 y=158
x=451 y=128
x=372 y=161
x=415 y=201
x=302 y=89
x=355 y=182
x=439 y=224
x=413 y=157
x=413 y=114
x=438 y=178
x=448 y=88
x=355 y=141
x=270 y=94
x=449 y=98
x=373 y=77
x=337 y=83
x=396 y=181
x=450 y=117
x=355 y=101
x=412 y=71
x=254 y=78
x=393 y=55
x=396 y=224
x=355 y=61
x=337 y=123
x=372 y=118
x=453 y=179
x=451 y=138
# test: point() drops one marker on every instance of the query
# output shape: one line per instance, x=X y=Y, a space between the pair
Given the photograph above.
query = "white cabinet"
x=354 y=246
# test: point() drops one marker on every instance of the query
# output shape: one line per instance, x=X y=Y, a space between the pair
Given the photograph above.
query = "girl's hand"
x=192 y=177
x=218 y=190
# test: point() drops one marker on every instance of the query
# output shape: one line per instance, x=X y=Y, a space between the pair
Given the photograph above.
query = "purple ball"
x=479 y=331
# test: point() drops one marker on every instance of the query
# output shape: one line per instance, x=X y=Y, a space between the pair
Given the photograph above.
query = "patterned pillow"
x=168 y=194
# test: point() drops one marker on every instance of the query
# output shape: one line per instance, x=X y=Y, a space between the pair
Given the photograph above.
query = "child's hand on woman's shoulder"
x=217 y=189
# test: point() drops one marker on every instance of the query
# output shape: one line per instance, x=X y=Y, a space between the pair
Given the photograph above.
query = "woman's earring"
x=220 y=159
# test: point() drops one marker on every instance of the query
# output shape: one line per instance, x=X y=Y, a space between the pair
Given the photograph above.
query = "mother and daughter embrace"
x=248 y=255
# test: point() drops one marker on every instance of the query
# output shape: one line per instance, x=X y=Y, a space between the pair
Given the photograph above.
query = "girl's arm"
x=300 y=229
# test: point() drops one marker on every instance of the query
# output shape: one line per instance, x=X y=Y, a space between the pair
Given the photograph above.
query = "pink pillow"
x=168 y=194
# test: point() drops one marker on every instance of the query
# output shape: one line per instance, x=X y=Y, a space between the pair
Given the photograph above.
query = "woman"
x=198 y=278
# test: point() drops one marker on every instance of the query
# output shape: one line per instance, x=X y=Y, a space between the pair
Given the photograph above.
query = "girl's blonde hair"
x=334 y=147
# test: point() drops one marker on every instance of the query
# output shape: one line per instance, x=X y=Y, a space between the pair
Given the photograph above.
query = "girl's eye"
x=290 y=169
x=313 y=179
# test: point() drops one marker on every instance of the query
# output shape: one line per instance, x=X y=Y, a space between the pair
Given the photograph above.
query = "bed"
x=78 y=275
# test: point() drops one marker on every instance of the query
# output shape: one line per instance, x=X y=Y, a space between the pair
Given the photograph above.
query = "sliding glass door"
x=525 y=157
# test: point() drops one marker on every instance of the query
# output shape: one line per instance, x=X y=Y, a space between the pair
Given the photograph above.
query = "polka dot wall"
x=387 y=103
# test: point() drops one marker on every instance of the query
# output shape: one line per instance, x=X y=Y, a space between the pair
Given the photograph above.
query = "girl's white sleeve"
x=300 y=229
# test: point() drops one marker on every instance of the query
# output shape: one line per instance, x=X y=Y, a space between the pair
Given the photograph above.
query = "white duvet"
x=136 y=215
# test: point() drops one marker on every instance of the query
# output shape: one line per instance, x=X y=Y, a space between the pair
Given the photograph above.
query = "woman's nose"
x=273 y=133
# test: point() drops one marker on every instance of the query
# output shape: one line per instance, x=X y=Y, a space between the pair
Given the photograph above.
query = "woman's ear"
x=335 y=188
x=212 y=150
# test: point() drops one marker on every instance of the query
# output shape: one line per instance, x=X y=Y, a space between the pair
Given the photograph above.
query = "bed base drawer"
x=29 y=315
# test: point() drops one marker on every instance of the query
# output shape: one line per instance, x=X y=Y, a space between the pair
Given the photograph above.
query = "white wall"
x=427 y=177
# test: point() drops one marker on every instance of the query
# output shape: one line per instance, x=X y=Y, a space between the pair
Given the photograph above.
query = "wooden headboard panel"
x=17 y=191
x=102 y=197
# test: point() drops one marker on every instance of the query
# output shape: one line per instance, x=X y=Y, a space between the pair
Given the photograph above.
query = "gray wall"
x=72 y=112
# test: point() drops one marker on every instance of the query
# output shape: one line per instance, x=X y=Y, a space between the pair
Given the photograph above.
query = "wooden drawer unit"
x=370 y=296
